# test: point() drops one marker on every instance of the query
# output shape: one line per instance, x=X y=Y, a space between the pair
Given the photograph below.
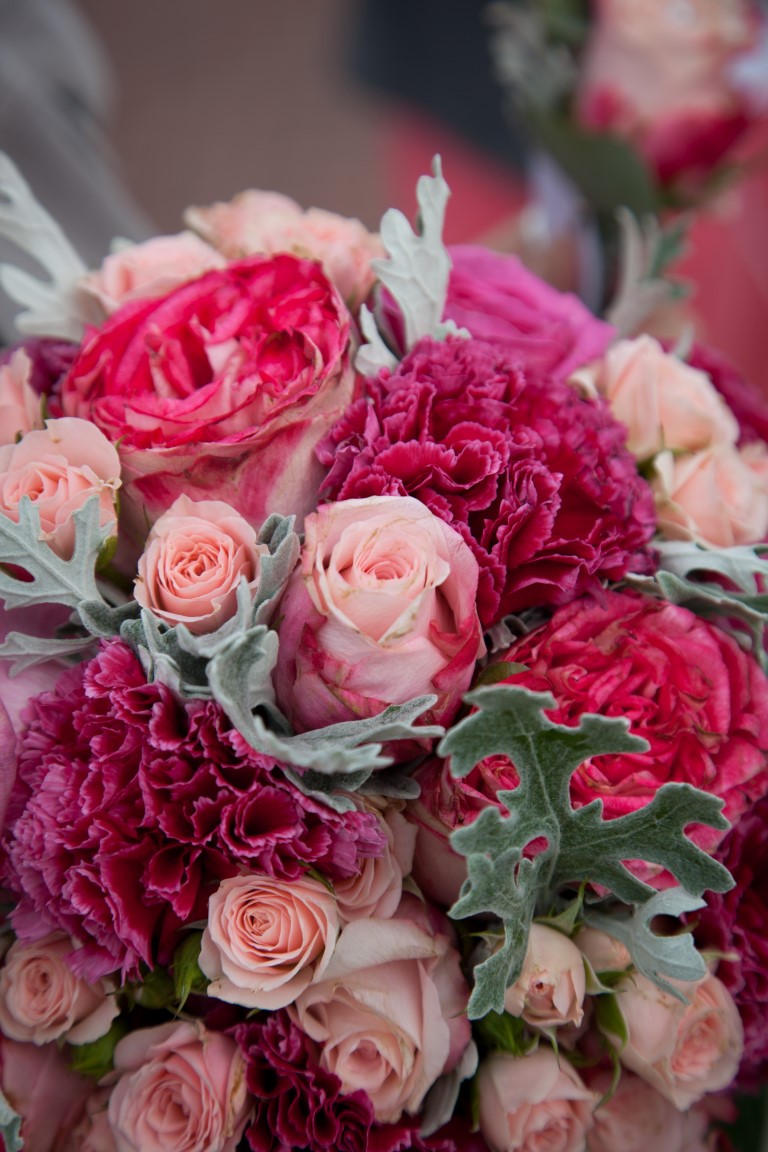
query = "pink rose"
x=390 y=1012
x=19 y=403
x=193 y=562
x=269 y=222
x=635 y=1118
x=41 y=1087
x=93 y=1132
x=718 y=497
x=375 y=890
x=659 y=75
x=59 y=468
x=42 y=1000
x=682 y=1050
x=604 y=952
x=382 y=610
x=550 y=990
x=267 y=939
x=533 y=1103
x=662 y=401
x=147 y=270
x=224 y=387
x=179 y=1088
x=497 y=299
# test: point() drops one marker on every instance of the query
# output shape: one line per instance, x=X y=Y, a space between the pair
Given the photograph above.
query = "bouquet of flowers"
x=384 y=706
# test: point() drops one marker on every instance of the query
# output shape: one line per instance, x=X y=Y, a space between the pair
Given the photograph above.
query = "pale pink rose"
x=193 y=562
x=267 y=939
x=20 y=409
x=150 y=269
x=662 y=401
x=533 y=1103
x=604 y=952
x=377 y=889
x=550 y=990
x=179 y=1088
x=635 y=1118
x=41 y=1087
x=269 y=222
x=718 y=497
x=684 y=1051
x=382 y=609
x=390 y=1013
x=93 y=1132
x=59 y=468
x=42 y=1000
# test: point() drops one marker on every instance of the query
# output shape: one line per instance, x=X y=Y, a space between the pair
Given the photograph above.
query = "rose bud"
x=193 y=562
x=381 y=610
x=532 y=1102
x=19 y=403
x=376 y=889
x=550 y=989
x=604 y=953
x=683 y=1050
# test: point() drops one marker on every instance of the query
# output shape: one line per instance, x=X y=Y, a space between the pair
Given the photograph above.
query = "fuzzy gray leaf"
x=10 y=1126
x=26 y=651
x=104 y=621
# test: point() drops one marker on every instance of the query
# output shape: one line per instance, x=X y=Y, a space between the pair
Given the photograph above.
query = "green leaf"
x=505 y=1033
x=581 y=847
x=495 y=673
x=187 y=976
x=611 y=1021
x=156 y=990
x=10 y=1126
x=96 y=1059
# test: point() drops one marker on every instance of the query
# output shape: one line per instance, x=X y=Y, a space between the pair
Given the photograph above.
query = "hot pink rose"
x=269 y=222
x=147 y=270
x=179 y=1088
x=382 y=610
x=59 y=468
x=659 y=75
x=42 y=1000
x=634 y=1118
x=19 y=403
x=267 y=939
x=683 y=1050
x=497 y=299
x=42 y=1088
x=550 y=990
x=196 y=555
x=664 y=403
x=390 y=1012
x=375 y=891
x=533 y=1103
x=223 y=386
x=718 y=497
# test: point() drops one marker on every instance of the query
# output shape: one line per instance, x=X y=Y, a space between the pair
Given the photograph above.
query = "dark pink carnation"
x=50 y=360
x=497 y=299
x=736 y=924
x=129 y=808
x=535 y=478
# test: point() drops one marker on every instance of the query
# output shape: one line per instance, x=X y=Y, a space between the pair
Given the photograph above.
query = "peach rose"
x=42 y=1000
x=268 y=222
x=179 y=1088
x=718 y=497
x=635 y=1118
x=382 y=609
x=682 y=1050
x=550 y=990
x=376 y=890
x=20 y=409
x=662 y=401
x=147 y=270
x=193 y=561
x=532 y=1103
x=267 y=939
x=604 y=952
x=390 y=1012
x=59 y=468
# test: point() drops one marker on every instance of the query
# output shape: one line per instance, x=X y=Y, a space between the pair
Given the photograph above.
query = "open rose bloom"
x=383 y=701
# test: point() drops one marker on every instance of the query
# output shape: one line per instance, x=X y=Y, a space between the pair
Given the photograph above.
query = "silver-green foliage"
x=580 y=845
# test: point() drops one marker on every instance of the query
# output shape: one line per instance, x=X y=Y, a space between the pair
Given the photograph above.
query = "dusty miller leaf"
x=25 y=651
x=657 y=957
x=580 y=845
x=10 y=1126
x=645 y=250
x=374 y=354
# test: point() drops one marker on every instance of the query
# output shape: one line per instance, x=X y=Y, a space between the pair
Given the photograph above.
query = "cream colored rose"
x=59 y=469
x=664 y=403
x=20 y=409
x=634 y=1118
x=267 y=939
x=193 y=562
x=378 y=887
x=42 y=1000
x=532 y=1103
x=718 y=497
x=550 y=990
x=604 y=952
x=682 y=1050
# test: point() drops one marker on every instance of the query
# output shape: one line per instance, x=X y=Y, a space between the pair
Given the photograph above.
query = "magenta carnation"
x=129 y=808
x=735 y=923
x=536 y=479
